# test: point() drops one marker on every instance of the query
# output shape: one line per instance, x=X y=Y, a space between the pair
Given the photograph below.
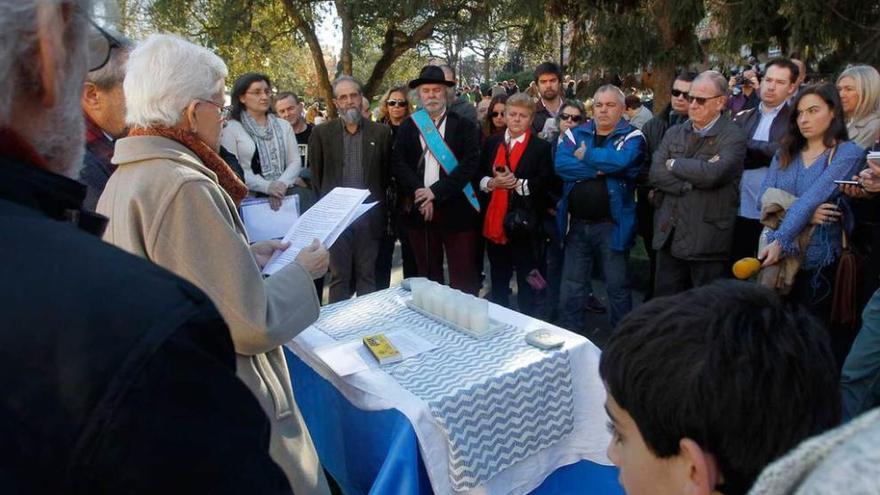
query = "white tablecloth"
x=376 y=389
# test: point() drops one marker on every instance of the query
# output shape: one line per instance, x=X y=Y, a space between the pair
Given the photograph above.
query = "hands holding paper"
x=264 y=250
x=314 y=258
x=424 y=197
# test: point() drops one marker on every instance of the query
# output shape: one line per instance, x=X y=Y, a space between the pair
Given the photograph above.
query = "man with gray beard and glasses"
x=352 y=152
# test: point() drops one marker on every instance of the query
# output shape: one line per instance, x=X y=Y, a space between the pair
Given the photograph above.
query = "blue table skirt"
x=377 y=452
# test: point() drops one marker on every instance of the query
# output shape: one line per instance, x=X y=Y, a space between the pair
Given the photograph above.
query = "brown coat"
x=166 y=206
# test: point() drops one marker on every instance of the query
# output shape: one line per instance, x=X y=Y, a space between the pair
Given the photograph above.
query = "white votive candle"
x=462 y=311
x=449 y=301
x=417 y=288
x=479 y=315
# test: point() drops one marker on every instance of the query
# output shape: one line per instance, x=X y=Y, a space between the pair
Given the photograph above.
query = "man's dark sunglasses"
x=396 y=103
x=568 y=116
x=101 y=43
x=700 y=99
x=676 y=93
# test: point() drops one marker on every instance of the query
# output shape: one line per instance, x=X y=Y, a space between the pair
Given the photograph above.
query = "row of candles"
x=454 y=306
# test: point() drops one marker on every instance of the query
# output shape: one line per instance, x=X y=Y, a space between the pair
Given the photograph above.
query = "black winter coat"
x=117 y=376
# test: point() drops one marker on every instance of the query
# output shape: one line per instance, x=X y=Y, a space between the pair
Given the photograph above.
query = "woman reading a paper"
x=173 y=201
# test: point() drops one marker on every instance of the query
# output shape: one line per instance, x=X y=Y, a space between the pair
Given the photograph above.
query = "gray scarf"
x=270 y=145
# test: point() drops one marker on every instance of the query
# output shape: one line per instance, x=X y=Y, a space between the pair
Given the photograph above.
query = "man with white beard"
x=352 y=151
x=435 y=162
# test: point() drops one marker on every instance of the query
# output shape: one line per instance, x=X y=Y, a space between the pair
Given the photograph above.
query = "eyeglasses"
x=568 y=116
x=701 y=100
x=224 y=111
x=260 y=92
x=101 y=43
x=496 y=114
x=677 y=93
x=396 y=103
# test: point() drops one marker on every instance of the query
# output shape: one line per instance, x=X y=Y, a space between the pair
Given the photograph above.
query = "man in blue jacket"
x=598 y=162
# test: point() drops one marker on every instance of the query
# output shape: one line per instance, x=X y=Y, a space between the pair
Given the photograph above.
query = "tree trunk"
x=345 y=15
x=662 y=79
x=664 y=68
x=308 y=32
x=487 y=66
x=396 y=44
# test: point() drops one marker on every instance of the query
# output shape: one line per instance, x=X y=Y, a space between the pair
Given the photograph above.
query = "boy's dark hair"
x=784 y=63
x=728 y=366
x=548 y=68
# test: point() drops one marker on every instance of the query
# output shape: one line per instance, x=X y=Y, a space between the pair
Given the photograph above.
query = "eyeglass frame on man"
x=112 y=43
x=568 y=116
x=224 y=110
x=676 y=93
x=701 y=100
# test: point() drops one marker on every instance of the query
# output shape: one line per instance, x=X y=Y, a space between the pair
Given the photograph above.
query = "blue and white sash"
x=438 y=147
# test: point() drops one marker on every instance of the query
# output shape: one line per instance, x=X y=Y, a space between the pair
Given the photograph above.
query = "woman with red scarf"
x=173 y=200
x=517 y=169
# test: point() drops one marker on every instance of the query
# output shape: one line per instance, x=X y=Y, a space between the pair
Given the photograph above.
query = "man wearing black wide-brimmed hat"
x=435 y=159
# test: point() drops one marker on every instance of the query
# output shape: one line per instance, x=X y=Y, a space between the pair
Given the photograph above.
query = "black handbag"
x=521 y=220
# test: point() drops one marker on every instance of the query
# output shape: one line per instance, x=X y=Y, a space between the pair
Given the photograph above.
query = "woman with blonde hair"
x=394 y=108
x=173 y=200
x=859 y=90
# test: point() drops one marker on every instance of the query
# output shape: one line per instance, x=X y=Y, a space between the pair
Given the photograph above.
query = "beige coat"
x=167 y=207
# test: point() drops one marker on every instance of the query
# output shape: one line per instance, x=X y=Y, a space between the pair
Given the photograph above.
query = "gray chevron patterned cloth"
x=499 y=400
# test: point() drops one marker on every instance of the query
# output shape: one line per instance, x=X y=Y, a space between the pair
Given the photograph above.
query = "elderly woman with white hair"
x=173 y=201
x=859 y=90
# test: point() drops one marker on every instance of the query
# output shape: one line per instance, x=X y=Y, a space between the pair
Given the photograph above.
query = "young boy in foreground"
x=706 y=387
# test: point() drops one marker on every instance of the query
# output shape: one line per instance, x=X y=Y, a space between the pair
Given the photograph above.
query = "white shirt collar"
x=520 y=139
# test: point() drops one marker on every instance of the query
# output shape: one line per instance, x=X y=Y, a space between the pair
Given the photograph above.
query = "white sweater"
x=236 y=139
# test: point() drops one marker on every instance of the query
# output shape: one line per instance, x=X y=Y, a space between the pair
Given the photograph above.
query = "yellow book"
x=382 y=348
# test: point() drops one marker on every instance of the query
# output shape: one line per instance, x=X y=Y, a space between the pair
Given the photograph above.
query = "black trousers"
x=645 y=229
x=516 y=255
x=746 y=233
x=676 y=275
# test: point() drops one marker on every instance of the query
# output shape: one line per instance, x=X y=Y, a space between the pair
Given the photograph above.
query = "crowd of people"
x=143 y=352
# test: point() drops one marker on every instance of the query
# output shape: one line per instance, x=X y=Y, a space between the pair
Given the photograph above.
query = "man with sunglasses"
x=103 y=104
x=598 y=162
x=675 y=113
x=696 y=172
x=117 y=376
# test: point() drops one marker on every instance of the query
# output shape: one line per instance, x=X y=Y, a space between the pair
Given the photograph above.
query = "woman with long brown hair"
x=815 y=152
x=494 y=122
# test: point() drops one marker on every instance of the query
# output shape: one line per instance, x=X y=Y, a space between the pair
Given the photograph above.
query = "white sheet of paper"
x=348 y=358
x=263 y=223
x=324 y=221
x=360 y=210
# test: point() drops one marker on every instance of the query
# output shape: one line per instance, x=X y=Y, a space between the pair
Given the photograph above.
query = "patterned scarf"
x=270 y=144
x=493 y=227
x=225 y=176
